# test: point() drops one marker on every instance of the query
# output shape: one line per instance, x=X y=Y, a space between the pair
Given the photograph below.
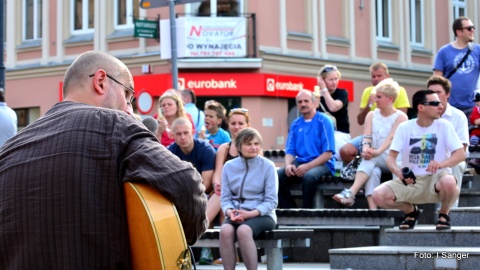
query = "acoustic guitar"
x=156 y=235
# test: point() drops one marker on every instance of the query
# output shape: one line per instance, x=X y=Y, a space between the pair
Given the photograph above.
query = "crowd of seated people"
x=316 y=140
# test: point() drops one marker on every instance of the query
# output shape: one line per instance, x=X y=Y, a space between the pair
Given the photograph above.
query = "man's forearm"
x=361 y=116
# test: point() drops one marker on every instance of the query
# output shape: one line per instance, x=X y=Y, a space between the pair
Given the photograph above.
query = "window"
x=125 y=12
x=32 y=18
x=384 y=20
x=224 y=8
x=82 y=15
x=459 y=7
x=416 y=22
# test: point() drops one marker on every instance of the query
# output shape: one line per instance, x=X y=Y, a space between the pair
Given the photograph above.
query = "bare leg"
x=360 y=179
x=447 y=192
x=227 y=246
x=348 y=152
x=384 y=197
x=371 y=203
x=247 y=247
x=213 y=208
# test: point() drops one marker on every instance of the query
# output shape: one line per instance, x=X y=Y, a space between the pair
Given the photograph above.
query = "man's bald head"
x=76 y=76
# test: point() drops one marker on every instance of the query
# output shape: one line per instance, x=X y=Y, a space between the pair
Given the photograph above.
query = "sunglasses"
x=242 y=110
x=432 y=103
x=469 y=28
x=329 y=68
x=211 y=103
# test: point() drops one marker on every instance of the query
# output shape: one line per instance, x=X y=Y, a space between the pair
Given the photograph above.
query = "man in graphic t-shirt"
x=425 y=144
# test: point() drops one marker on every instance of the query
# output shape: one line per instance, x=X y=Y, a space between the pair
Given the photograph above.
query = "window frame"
x=36 y=20
x=414 y=27
x=130 y=13
x=85 y=17
x=457 y=5
x=192 y=8
x=379 y=16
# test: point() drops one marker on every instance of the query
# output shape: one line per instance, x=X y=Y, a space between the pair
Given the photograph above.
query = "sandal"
x=345 y=197
x=410 y=223
x=443 y=225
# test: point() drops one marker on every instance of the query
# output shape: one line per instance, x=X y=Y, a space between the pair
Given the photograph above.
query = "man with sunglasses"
x=430 y=147
x=463 y=75
x=62 y=177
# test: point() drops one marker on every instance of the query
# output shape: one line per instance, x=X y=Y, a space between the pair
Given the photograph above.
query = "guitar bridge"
x=184 y=261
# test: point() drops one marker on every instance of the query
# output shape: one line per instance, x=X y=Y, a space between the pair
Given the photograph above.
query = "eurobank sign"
x=233 y=84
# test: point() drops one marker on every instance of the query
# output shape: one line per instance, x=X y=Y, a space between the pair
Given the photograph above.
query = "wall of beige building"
x=293 y=38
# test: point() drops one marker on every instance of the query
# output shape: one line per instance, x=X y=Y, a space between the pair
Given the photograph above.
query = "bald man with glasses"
x=462 y=74
x=62 y=202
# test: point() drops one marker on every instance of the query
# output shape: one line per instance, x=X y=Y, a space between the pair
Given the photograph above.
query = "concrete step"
x=405 y=257
x=465 y=216
x=427 y=235
x=469 y=198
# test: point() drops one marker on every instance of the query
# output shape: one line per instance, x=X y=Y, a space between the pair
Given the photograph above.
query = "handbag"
x=348 y=172
x=329 y=115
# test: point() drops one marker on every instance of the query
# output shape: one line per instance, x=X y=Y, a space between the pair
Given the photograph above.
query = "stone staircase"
x=420 y=248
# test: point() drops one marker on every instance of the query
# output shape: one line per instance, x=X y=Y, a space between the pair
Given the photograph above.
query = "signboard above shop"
x=235 y=84
x=206 y=37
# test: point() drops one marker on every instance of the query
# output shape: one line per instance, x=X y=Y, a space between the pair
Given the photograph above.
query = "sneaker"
x=206 y=257
x=219 y=261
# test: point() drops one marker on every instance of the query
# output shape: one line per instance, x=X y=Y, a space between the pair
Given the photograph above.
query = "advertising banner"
x=206 y=37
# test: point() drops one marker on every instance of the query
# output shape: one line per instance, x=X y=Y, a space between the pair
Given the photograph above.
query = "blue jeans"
x=309 y=186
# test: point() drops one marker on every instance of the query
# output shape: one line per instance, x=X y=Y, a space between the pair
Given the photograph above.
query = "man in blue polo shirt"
x=309 y=152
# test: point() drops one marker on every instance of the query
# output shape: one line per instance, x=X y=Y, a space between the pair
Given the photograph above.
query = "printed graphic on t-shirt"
x=468 y=65
x=422 y=149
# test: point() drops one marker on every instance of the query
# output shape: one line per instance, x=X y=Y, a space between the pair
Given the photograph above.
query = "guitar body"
x=156 y=235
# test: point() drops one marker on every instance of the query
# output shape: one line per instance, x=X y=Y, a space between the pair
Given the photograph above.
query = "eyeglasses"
x=129 y=95
x=328 y=69
x=469 y=28
x=432 y=103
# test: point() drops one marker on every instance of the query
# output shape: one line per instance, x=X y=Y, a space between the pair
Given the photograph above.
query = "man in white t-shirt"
x=456 y=117
x=430 y=147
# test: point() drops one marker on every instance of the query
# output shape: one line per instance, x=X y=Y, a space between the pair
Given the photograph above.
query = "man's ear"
x=99 y=81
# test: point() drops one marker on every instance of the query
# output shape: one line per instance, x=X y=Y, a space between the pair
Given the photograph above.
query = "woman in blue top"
x=249 y=199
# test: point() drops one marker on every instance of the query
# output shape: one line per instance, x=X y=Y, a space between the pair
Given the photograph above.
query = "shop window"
x=224 y=8
x=26 y=116
x=32 y=19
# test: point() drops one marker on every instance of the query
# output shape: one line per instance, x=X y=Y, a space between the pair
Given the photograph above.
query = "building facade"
x=285 y=44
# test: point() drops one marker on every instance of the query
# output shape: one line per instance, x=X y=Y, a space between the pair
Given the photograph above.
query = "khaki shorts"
x=423 y=191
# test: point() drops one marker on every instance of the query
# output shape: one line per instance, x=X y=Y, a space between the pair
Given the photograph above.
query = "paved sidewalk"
x=286 y=266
